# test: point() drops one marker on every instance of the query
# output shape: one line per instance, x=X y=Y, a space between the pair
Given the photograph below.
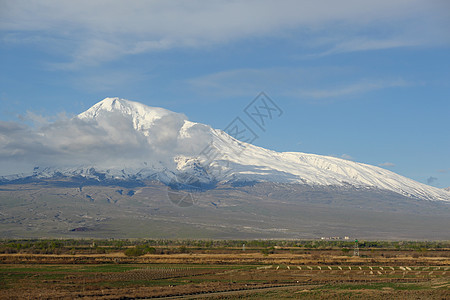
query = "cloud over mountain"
x=123 y=139
x=110 y=139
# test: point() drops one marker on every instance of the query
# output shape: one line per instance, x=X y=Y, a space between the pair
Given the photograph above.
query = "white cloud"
x=92 y=32
x=387 y=164
x=364 y=44
x=107 y=80
x=346 y=156
x=431 y=180
x=355 y=88
x=343 y=156
x=292 y=82
x=243 y=82
x=109 y=141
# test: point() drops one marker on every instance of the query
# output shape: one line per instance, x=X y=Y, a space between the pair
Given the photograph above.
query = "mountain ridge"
x=175 y=145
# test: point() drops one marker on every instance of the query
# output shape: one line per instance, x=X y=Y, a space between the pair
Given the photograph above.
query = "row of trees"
x=59 y=246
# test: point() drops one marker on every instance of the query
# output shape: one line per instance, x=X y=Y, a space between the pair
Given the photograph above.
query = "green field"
x=223 y=269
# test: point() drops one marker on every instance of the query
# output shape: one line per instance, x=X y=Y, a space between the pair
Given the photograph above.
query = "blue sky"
x=363 y=81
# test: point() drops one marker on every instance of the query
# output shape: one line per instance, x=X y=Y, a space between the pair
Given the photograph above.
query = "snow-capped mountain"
x=143 y=117
x=155 y=143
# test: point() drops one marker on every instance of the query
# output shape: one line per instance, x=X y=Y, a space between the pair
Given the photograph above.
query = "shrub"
x=150 y=250
x=135 y=251
x=183 y=249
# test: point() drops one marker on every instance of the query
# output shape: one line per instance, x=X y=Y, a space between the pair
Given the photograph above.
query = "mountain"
x=121 y=160
x=143 y=117
x=181 y=143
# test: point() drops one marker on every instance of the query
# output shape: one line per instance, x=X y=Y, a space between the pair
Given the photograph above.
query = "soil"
x=224 y=276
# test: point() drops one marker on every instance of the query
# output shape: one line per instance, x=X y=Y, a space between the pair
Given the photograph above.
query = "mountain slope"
x=58 y=207
x=123 y=169
x=163 y=145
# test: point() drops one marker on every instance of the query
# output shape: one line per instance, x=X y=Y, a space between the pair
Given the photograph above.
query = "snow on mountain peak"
x=129 y=140
x=143 y=116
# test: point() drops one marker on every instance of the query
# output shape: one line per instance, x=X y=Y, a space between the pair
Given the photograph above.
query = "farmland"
x=99 y=269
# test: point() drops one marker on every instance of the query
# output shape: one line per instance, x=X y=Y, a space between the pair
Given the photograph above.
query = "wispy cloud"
x=346 y=156
x=431 y=180
x=94 y=32
x=365 y=44
x=343 y=156
x=242 y=82
x=387 y=164
x=354 y=88
x=107 y=80
x=291 y=82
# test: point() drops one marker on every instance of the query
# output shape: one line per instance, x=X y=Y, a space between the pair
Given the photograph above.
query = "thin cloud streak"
x=366 y=45
x=292 y=82
x=356 y=88
x=387 y=164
